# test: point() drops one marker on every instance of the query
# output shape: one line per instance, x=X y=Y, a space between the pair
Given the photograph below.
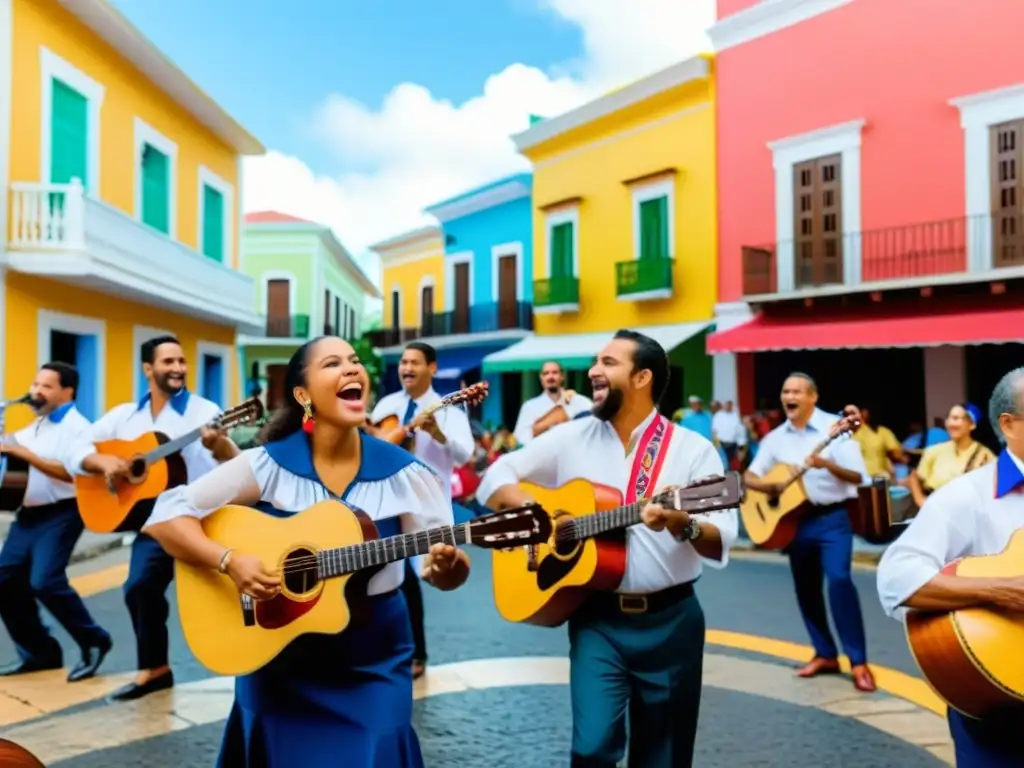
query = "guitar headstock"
x=472 y=395
x=708 y=494
x=248 y=412
x=519 y=526
x=847 y=424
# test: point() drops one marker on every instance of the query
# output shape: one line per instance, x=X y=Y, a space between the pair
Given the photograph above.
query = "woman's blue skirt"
x=331 y=700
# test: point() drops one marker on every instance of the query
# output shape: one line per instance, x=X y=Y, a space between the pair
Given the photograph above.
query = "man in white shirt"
x=729 y=430
x=34 y=558
x=442 y=441
x=972 y=515
x=171 y=409
x=824 y=541
x=552 y=380
x=640 y=649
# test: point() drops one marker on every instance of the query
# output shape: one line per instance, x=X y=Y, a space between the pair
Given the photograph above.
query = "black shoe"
x=91 y=660
x=134 y=691
x=28 y=665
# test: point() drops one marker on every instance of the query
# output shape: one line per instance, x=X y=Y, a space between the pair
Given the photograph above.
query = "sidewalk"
x=89 y=544
x=862 y=551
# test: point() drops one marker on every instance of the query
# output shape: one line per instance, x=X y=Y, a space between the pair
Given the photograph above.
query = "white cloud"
x=415 y=150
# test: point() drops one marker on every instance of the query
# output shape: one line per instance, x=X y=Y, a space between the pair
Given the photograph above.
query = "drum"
x=881 y=511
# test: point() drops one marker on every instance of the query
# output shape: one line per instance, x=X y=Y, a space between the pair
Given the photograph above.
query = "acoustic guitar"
x=545 y=583
x=771 y=519
x=390 y=428
x=154 y=465
x=554 y=417
x=972 y=657
x=236 y=635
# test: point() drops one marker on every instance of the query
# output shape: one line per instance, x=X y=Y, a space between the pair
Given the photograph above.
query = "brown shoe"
x=863 y=680
x=819 y=666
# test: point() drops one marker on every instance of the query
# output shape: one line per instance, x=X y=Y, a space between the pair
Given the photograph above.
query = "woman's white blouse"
x=409 y=489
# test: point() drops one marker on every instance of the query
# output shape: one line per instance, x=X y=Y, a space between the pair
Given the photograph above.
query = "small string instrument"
x=771 y=519
x=390 y=428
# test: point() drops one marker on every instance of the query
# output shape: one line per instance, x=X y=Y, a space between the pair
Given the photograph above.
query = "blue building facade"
x=488 y=292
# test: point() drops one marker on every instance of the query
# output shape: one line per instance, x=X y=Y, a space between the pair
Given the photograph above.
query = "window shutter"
x=213 y=224
x=69 y=128
x=156 y=209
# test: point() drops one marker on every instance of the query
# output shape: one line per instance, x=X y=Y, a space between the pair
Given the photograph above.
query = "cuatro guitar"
x=545 y=583
x=235 y=635
x=155 y=464
x=390 y=428
x=972 y=657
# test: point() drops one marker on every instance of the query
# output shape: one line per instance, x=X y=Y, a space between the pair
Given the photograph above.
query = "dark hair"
x=428 y=351
x=553 y=362
x=811 y=383
x=66 y=374
x=287 y=419
x=649 y=355
x=148 y=349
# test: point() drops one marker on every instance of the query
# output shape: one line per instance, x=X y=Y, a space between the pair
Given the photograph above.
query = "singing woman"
x=328 y=699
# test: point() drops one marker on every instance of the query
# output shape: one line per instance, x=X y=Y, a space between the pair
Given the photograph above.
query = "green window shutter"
x=561 y=250
x=654 y=229
x=69 y=135
x=156 y=182
x=213 y=223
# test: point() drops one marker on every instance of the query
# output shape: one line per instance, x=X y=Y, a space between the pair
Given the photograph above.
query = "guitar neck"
x=587 y=526
x=175 y=445
x=817 y=449
x=368 y=554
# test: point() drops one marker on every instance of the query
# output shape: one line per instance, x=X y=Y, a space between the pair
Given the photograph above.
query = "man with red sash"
x=638 y=650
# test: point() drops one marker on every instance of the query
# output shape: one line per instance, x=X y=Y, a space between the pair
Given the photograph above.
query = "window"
x=352 y=328
x=156 y=178
x=654 y=229
x=396 y=308
x=562 y=250
x=818 y=221
x=339 y=327
x=213 y=223
x=69 y=134
x=1007 y=153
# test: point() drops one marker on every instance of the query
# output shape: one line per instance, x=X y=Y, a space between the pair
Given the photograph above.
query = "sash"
x=648 y=461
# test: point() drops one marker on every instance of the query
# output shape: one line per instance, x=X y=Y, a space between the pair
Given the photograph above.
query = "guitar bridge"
x=248 y=610
x=531 y=557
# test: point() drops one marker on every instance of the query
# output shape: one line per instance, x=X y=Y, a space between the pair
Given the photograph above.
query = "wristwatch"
x=691 y=532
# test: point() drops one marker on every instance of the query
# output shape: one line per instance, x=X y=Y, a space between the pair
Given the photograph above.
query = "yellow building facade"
x=413 y=279
x=121 y=208
x=625 y=225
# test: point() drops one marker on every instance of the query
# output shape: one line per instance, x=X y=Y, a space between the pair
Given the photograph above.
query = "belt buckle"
x=633 y=603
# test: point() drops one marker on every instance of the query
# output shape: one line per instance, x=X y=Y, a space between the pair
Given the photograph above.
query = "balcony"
x=481 y=318
x=556 y=295
x=644 y=279
x=294 y=327
x=392 y=337
x=60 y=233
x=950 y=251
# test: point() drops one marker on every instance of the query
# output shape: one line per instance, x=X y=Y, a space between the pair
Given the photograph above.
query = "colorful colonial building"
x=870 y=200
x=120 y=208
x=624 y=228
x=307 y=285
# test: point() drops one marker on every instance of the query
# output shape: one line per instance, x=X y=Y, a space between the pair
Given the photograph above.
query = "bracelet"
x=225 y=560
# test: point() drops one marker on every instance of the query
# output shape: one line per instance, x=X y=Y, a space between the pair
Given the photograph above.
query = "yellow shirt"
x=876 y=444
x=943 y=462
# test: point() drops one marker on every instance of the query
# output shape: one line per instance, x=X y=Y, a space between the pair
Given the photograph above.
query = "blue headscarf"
x=973 y=412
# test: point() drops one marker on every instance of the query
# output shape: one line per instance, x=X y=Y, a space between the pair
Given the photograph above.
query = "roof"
x=112 y=27
x=408 y=238
x=274 y=217
x=686 y=71
x=487 y=196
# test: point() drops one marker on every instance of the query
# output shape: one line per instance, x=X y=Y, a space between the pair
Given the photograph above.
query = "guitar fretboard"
x=587 y=526
x=356 y=557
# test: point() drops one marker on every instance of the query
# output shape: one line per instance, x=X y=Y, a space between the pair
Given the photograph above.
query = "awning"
x=907 y=329
x=453 y=363
x=575 y=351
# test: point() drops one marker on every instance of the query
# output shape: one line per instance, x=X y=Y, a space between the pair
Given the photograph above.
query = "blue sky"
x=271 y=68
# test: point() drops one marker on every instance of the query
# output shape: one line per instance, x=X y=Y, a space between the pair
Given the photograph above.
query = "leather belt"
x=649 y=603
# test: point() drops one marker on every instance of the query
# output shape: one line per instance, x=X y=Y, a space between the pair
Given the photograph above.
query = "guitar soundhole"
x=137 y=468
x=300 y=572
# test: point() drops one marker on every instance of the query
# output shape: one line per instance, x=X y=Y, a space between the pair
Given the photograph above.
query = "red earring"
x=308 y=422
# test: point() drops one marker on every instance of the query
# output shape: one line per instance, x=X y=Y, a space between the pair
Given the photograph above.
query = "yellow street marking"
x=96 y=582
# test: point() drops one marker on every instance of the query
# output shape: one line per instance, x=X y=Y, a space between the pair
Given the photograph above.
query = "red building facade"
x=871 y=186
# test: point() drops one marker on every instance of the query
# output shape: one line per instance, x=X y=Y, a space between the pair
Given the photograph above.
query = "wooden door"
x=508 y=292
x=279 y=311
x=275 y=386
x=396 y=310
x=460 y=313
x=427 y=311
x=818 y=222
x=1006 y=155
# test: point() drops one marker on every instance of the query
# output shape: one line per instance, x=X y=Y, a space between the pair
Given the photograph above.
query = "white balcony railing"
x=60 y=232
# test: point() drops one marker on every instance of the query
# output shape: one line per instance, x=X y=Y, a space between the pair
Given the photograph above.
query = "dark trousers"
x=413 y=593
x=33 y=567
x=145 y=593
x=995 y=743
x=823 y=549
x=645 y=666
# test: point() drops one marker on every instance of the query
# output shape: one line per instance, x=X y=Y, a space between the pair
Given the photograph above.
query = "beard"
x=167 y=386
x=610 y=406
x=552 y=389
